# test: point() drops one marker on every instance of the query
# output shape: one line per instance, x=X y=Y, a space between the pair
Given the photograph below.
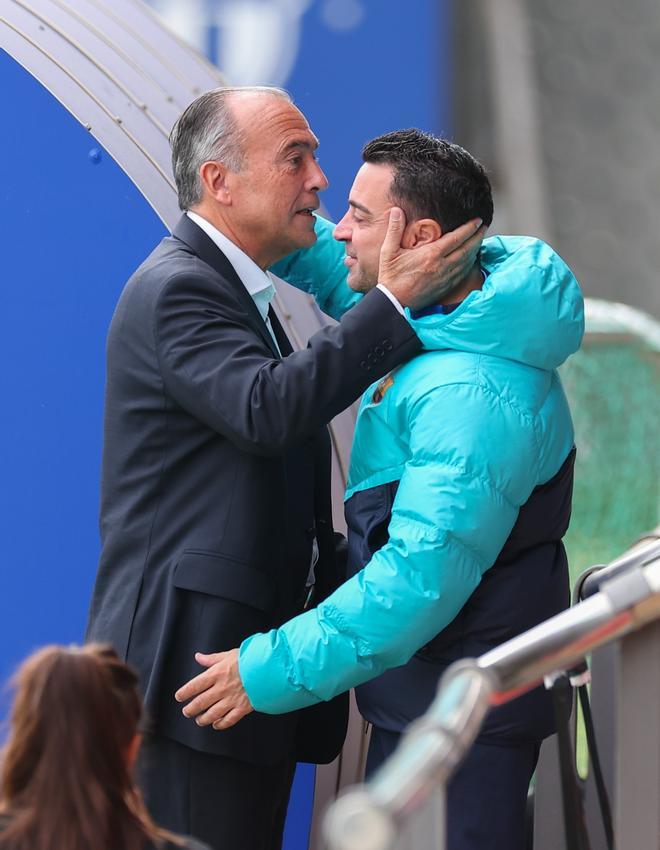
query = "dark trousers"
x=486 y=797
x=228 y=804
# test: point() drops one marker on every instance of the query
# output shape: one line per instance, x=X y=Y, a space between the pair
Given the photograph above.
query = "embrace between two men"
x=216 y=517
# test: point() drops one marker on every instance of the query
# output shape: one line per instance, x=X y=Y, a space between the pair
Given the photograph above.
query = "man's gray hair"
x=207 y=130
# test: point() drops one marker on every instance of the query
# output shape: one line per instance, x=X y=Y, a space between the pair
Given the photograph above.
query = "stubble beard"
x=363 y=282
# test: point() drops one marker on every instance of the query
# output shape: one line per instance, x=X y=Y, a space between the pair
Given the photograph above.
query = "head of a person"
x=436 y=183
x=66 y=775
x=245 y=159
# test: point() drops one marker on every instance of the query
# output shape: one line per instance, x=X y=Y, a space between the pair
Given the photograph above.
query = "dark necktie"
x=278 y=331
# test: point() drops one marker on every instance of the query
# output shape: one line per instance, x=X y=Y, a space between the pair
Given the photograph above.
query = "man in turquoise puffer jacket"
x=458 y=496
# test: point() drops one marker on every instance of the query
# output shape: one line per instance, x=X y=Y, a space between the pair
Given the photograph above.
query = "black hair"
x=433 y=178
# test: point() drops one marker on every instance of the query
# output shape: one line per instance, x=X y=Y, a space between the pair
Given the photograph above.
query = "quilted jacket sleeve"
x=472 y=465
x=321 y=272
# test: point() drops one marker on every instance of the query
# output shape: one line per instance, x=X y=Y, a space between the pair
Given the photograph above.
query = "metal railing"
x=625 y=598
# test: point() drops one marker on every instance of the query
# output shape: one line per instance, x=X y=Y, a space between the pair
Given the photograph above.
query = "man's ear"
x=421 y=232
x=214 y=180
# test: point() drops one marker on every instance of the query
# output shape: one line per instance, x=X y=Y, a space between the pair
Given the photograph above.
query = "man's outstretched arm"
x=450 y=518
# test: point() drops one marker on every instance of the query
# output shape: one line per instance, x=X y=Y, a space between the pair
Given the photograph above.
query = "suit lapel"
x=194 y=237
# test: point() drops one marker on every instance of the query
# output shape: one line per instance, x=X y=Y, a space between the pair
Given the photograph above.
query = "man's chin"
x=303 y=240
x=357 y=283
x=309 y=237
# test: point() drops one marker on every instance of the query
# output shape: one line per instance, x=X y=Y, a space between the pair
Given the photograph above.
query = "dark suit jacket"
x=215 y=478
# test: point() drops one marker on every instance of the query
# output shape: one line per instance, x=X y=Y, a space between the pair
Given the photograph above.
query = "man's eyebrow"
x=300 y=143
x=360 y=207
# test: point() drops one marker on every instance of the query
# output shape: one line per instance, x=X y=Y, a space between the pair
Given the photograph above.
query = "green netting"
x=613 y=385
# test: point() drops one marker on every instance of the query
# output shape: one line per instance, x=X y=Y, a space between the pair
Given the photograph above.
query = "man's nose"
x=342 y=232
x=318 y=179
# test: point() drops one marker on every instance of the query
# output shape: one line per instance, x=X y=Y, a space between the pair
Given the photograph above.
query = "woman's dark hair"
x=65 y=780
x=433 y=178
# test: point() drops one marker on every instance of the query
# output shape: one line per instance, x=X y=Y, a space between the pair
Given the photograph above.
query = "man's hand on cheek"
x=216 y=697
x=423 y=275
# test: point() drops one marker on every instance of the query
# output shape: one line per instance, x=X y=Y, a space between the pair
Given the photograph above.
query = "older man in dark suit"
x=215 y=489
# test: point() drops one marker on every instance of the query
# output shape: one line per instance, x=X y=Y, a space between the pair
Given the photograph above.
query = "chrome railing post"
x=637 y=741
x=371 y=817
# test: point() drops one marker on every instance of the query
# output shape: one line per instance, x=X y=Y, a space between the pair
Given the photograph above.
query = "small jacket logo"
x=382 y=388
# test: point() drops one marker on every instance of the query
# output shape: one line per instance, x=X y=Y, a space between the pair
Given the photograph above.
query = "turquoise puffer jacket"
x=468 y=428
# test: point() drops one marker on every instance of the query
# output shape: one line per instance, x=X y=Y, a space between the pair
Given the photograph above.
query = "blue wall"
x=73 y=228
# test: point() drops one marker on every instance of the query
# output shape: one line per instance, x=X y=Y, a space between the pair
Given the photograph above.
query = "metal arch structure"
x=82 y=55
x=90 y=89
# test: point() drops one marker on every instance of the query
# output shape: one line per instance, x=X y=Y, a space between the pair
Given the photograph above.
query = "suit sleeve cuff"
x=392 y=298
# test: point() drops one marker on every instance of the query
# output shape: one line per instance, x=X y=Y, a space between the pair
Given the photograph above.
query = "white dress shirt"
x=392 y=298
x=257 y=282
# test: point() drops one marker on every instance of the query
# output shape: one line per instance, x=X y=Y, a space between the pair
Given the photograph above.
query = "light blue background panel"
x=392 y=70
x=73 y=228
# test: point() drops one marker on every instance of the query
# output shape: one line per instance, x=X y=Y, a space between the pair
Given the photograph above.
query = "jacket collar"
x=205 y=248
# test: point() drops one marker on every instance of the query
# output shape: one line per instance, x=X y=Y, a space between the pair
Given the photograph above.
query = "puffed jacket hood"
x=536 y=319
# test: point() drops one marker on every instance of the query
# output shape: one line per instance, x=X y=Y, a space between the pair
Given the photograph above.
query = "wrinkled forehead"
x=269 y=122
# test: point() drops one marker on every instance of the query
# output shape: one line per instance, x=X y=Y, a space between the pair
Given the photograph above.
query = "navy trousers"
x=486 y=797
x=228 y=804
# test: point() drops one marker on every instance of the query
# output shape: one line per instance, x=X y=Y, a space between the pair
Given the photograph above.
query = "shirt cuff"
x=392 y=298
